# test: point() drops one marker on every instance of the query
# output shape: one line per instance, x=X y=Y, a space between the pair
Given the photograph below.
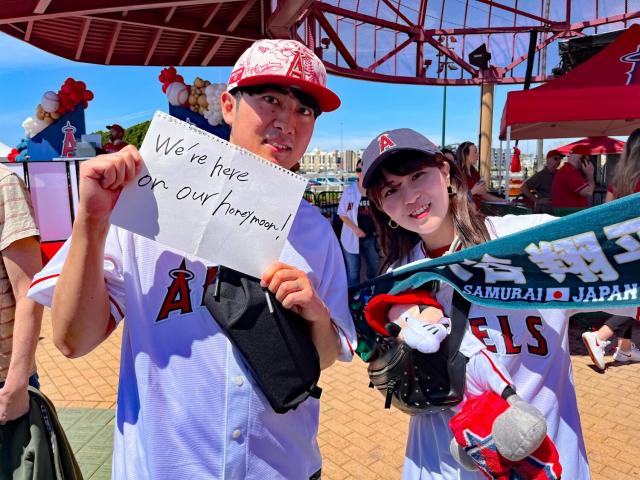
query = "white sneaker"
x=632 y=355
x=595 y=348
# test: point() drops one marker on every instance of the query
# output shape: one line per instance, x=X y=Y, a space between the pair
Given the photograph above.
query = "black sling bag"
x=417 y=382
x=275 y=342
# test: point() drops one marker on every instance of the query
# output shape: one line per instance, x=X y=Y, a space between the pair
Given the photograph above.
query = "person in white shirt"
x=420 y=204
x=358 y=236
x=188 y=406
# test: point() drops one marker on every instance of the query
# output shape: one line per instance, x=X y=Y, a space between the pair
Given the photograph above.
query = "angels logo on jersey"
x=178 y=297
x=633 y=58
x=537 y=344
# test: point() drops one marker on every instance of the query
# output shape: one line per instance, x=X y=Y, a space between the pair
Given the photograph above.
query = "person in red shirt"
x=573 y=183
x=116 y=139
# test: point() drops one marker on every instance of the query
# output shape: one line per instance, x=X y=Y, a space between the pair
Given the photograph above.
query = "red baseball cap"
x=284 y=62
x=554 y=153
x=117 y=127
x=581 y=150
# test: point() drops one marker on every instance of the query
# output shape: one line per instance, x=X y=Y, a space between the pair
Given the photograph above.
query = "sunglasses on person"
x=358 y=170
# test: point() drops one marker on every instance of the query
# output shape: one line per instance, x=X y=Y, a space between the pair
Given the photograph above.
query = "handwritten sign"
x=207 y=197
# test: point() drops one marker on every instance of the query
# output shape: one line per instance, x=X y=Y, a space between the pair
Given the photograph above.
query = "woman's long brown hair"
x=397 y=243
x=627 y=171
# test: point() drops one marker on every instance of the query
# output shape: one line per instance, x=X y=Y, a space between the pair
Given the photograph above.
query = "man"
x=188 y=407
x=538 y=187
x=116 y=139
x=573 y=184
x=20 y=317
x=358 y=236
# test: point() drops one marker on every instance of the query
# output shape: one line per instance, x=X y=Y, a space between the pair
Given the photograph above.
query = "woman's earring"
x=392 y=224
x=451 y=190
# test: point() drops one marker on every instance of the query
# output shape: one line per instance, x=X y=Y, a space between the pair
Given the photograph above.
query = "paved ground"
x=358 y=439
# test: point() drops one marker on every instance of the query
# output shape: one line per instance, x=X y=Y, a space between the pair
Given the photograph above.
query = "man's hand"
x=14 y=403
x=102 y=179
x=294 y=290
x=359 y=232
x=587 y=170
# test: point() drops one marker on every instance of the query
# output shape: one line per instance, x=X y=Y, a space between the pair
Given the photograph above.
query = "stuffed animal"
x=495 y=431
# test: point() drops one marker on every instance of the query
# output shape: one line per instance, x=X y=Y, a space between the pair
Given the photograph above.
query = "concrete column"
x=486 y=124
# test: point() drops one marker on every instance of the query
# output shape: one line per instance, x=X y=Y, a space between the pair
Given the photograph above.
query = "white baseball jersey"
x=187 y=405
x=533 y=347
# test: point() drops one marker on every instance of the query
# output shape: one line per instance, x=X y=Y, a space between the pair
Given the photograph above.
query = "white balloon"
x=177 y=93
x=33 y=126
x=50 y=101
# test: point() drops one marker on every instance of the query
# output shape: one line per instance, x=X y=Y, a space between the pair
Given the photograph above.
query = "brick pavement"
x=358 y=439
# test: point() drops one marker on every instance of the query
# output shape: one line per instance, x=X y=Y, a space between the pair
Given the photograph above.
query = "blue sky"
x=128 y=95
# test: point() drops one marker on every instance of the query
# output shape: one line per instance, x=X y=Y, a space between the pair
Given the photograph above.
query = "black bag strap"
x=459 y=315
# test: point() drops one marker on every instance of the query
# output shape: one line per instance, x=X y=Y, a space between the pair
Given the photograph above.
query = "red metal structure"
x=599 y=97
x=428 y=41
x=407 y=41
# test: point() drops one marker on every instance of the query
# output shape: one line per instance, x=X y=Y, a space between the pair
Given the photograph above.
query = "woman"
x=358 y=236
x=407 y=181
x=626 y=180
x=467 y=158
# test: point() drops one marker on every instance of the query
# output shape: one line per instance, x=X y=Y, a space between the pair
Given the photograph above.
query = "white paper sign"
x=206 y=197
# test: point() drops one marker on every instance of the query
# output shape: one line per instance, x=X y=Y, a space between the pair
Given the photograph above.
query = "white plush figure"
x=214 y=111
x=33 y=126
x=50 y=101
x=177 y=93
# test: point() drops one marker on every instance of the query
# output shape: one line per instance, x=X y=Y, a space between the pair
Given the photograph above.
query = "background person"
x=538 y=187
x=188 y=407
x=467 y=159
x=625 y=181
x=358 y=239
x=573 y=183
x=417 y=219
x=20 y=317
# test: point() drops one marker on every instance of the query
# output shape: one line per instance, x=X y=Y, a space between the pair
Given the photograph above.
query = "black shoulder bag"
x=274 y=341
x=417 y=382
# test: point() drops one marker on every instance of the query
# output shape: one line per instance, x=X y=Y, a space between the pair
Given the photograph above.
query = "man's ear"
x=228 y=106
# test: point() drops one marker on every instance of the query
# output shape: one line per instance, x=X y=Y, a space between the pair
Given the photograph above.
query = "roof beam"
x=398 y=13
x=152 y=45
x=187 y=48
x=213 y=11
x=82 y=37
x=340 y=47
x=41 y=7
x=28 y=32
x=491 y=3
x=503 y=71
x=21 y=12
x=451 y=54
x=232 y=26
x=170 y=13
x=281 y=21
x=392 y=53
x=112 y=43
x=179 y=24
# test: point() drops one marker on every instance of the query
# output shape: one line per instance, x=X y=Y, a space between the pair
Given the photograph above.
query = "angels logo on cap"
x=284 y=62
x=385 y=142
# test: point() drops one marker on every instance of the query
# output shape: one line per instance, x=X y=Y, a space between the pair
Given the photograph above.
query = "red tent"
x=598 y=145
x=599 y=97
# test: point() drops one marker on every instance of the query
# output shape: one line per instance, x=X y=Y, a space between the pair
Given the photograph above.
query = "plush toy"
x=495 y=431
x=116 y=136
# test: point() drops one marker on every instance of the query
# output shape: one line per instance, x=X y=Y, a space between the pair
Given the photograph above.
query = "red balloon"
x=88 y=95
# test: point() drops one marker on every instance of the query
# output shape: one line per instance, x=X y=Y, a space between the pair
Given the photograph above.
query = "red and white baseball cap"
x=284 y=62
